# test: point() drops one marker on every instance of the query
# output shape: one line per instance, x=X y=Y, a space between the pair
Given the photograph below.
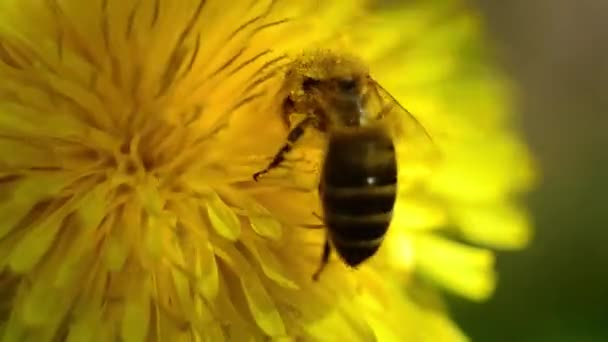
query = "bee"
x=336 y=96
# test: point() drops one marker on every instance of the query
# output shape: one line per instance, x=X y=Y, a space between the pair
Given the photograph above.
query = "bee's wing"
x=415 y=144
x=388 y=108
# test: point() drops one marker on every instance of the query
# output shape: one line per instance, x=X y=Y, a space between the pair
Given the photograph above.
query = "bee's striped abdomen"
x=358 y=191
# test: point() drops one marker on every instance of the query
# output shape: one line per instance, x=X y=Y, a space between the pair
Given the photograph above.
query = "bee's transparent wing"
x=417 y=152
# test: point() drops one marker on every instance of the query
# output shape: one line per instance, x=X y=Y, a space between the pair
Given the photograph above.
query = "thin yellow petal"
x=271 y=265
x=116 y=253
x=266 y=225
x=260 y=218
x=207 y=272
x=85 y=328
x=75 y=257
x=499 y=225
x=30 y=250
x=156 y=231
x=463 y=269
x=260 y=302
x=136 y=316
x=121 y=237
x=223 y=219
x=262 y=308
x=417 y=214
x=13 y=330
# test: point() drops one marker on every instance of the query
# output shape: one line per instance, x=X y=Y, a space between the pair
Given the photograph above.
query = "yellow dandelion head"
x=129 y=134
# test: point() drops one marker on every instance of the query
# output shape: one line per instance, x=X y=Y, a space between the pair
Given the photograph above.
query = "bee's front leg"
x=324 y=260
x=294 y=135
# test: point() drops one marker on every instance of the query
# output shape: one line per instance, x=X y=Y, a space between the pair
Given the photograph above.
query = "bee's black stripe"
x=357 y=230
x=364 y=158
x=349 y=170
x=359 y=200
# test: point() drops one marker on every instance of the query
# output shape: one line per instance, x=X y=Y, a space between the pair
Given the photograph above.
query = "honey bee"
x=358 y=182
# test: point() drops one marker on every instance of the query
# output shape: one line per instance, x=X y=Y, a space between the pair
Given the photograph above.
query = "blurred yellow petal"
x=136 y=317
x=463 y=269
x=500 y=225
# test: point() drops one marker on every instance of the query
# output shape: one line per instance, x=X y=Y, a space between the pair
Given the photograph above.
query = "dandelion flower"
x=129 y=131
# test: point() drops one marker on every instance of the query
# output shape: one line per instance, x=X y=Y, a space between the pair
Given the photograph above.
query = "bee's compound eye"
x=347 y=85
x=309 y=83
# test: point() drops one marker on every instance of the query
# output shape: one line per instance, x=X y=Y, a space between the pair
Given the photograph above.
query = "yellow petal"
x=28 y=252
x=20 y=195
x=417 y=214
x=121 y=236
x=223 y=219
x=189 y=299
x=13 y=330
x=341 y=325
x=262 y=307
x=30 y=154
x=207 y=272
x=23 y=122
x=149 y=196
x=271 y=265
x=88 y=217
x=463 y=269
x=85 y=328
x=136 y=317
x=261 y=219
x=41 y=304
x=475 y=170
x=263 y=310
x=182 y=288
x=266 y=225
x=156 y=231
x=499 y=225
x=116 y=253
x=75 y=257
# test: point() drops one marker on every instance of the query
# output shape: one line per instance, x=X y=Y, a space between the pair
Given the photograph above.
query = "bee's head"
x=327 y=71
x=328 y=84
x=340 y=86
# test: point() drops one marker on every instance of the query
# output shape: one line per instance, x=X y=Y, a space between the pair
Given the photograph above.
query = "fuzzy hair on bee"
x=336 y=96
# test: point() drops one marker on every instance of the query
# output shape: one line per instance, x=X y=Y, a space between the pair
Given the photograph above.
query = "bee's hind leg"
x=324 y=260
x=294 y=135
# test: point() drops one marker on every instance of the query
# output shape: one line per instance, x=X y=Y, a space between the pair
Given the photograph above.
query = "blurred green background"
x=557 y=290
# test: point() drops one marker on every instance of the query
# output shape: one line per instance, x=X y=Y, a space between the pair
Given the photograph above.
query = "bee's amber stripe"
x=345 y=192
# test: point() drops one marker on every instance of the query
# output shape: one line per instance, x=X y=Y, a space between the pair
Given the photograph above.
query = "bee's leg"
x=294 y=135
x=324 y=260
x=317 y=216
x=314 y=225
